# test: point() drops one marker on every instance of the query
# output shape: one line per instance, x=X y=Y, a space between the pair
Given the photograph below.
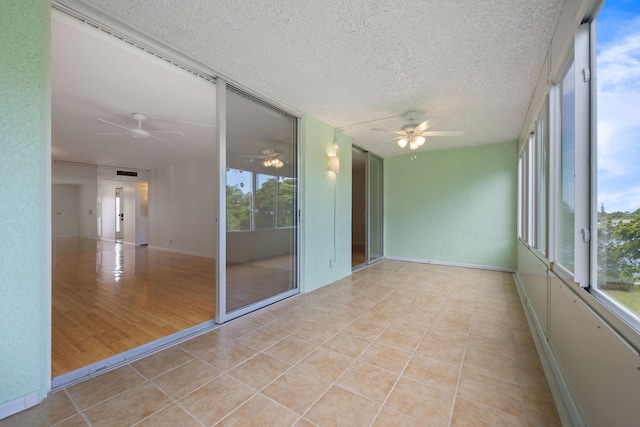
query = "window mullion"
x=582 y=156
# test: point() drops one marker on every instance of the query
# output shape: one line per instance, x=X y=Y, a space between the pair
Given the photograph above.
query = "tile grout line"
x=393 y=387
x=464 y=355
x=334 y=383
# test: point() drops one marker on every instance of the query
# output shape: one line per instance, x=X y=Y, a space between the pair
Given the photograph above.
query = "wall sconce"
x=334 y=164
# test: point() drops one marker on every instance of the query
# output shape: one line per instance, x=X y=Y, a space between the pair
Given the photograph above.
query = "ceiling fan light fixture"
x=273 y=163
x=413 y=145
x=402 y=142
x=420 y=140
x=139 y=133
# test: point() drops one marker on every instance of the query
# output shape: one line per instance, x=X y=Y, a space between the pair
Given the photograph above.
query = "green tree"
x=625 y=253
x=265 y=203
x=238 y=208
x=287 y=202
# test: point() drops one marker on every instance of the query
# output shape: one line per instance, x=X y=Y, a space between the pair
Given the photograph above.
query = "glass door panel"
x=375 y=208
x=261 y=204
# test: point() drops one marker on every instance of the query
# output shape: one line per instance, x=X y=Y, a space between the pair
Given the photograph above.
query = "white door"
x=119 y=214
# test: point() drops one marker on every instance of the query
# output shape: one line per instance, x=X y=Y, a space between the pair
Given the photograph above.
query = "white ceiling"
x=472 y=63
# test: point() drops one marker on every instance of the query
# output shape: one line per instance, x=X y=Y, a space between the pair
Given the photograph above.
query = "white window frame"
x=621 y=313
x=582 y=147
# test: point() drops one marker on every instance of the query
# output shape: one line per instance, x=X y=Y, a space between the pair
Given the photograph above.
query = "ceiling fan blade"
x=111 y=123
x=163 y=140
x=175 y=132
x=180 y=121
x=443 y=133
x=251 y=156
x=112 y=133
x=431 y=121
x=389 y=130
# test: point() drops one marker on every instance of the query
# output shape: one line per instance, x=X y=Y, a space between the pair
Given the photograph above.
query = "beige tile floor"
x=395 y=344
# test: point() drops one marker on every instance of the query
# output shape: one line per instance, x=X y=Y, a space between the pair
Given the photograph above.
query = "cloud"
x=619 y=61
x=618 y=76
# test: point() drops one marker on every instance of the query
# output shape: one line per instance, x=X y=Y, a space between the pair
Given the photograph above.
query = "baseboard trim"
x=452 y=264
x=19 y=404
x=566 y=405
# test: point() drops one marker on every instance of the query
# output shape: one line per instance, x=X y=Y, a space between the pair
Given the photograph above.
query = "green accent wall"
x=454 y=206
x=25 y=252
x=326 y=233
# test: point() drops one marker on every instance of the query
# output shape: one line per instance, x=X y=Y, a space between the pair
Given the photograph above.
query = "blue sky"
x=618 y=77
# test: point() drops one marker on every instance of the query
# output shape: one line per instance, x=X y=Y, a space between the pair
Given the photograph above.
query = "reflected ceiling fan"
x=140 y=132
x=415 y=134
x=271 y=158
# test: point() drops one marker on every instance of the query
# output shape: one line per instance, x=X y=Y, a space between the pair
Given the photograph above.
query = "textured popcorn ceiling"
x=472 y=63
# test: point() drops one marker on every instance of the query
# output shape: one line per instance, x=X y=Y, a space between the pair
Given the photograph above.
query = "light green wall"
x=326 y=234
x=453 y=206
x=25 y=259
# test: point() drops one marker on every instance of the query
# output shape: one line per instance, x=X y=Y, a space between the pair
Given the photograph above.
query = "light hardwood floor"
x=108 y=298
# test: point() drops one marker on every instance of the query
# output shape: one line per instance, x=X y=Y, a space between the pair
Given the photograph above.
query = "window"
x=266 y=190
x=523 y=193
x=532 y=185
x=239 y=199
x=287 y=190
x=541 y=150
x=566 y=201
x=272 y=205
x=617 y=207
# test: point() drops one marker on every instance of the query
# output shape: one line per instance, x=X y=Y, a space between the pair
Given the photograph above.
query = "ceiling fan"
x=139 y=131
x=271 y=158
x=415 y=135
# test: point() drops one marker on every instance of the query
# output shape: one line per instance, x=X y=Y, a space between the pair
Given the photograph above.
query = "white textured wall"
x=64 y=210
x=25 y=252
x=182 y=207
x=85 y=178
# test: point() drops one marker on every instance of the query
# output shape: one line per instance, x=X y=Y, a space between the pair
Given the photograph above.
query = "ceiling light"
x=402 y=142
x=273 y=163
x=413 y=145
x=420 y=140
x=139 y=133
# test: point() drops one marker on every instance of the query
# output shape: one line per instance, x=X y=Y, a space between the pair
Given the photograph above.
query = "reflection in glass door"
x=261 y=204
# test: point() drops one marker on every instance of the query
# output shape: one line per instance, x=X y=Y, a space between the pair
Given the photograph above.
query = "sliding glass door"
x=260 y=205
x=375 y=208
x=366 y=197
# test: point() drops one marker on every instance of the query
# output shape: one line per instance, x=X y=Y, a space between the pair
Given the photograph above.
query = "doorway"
x=137 y=136
x=119 y=202
x=188 y=256
x=367 y=208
